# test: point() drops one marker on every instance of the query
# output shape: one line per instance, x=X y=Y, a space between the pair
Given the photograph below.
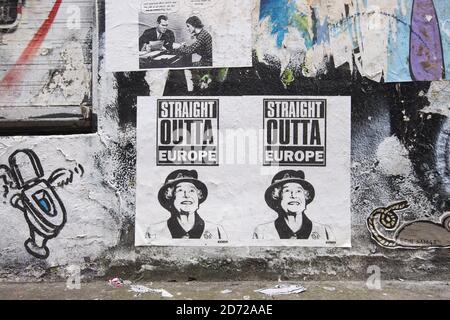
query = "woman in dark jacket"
x=203 y=44
x=289 y=195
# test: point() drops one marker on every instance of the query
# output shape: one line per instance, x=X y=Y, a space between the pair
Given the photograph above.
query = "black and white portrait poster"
x=243 y=171
x=178 y=34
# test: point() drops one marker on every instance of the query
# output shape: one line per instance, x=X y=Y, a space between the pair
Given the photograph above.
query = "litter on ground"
x=282 y=289
x=139 y=289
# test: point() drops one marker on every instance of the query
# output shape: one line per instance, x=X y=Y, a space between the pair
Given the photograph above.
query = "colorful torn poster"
x=243 y=171
x=178 y=34
x=385 y=40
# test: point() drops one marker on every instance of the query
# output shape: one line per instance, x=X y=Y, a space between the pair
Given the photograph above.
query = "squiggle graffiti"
x=36 y=197
x=413 y=235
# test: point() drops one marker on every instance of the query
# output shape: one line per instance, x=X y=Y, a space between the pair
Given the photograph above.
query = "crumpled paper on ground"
x=282 y=289
x=139 y=289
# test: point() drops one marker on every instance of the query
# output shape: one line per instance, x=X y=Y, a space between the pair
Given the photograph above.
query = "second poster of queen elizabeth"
x=289 y=195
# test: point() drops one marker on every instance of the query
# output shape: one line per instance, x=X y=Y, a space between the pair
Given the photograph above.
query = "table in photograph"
x=164 y=59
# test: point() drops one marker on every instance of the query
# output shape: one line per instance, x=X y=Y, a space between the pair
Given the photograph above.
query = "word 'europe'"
x=188 y=132
x=295 y=132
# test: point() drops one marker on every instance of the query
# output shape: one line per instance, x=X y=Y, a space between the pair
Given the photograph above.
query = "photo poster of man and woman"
x=243 y=171
x=178 y=34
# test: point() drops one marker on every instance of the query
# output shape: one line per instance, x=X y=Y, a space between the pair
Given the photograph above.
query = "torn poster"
x=178 y=34
x=243 y=171
x=385 y=40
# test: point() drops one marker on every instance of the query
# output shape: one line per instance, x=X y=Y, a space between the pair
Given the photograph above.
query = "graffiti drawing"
x=426 y=55
x=37 y=197
x=417 y=234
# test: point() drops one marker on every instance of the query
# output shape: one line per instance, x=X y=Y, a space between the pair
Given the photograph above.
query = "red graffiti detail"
x=30 y=51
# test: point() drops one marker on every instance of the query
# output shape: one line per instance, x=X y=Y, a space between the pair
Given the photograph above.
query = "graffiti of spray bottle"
x=43 y=209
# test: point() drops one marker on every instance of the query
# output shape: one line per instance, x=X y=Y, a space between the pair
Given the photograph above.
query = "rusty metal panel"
x=46 y=60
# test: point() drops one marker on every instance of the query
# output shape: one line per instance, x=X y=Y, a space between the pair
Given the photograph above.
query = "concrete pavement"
x=347 y=290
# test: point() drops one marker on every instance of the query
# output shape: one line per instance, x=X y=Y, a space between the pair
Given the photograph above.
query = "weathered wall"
x=399 y=152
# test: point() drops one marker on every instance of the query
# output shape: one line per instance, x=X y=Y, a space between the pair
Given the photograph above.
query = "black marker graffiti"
x=413 y=235
x=37 y=198
x=5 y=180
